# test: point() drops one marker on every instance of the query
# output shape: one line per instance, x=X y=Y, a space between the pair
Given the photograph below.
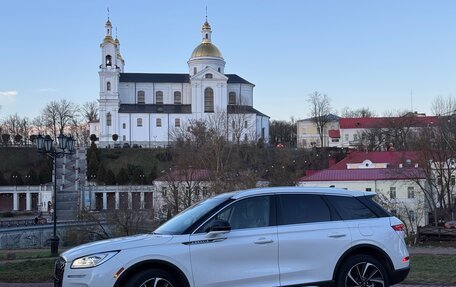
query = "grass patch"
x=22 y=255
x=148 y=159
x=432 y=269
x=30 y=271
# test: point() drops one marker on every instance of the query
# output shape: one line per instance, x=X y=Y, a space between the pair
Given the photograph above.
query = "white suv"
x=260 y=237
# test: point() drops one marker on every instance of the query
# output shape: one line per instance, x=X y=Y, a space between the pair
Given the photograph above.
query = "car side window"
x=300 y=208
x=246 y=213
x=350 y=207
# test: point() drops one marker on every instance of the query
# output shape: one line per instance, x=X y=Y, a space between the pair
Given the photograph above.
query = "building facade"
x=145 y=108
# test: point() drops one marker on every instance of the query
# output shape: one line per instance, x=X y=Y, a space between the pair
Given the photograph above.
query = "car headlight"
x=93 y=260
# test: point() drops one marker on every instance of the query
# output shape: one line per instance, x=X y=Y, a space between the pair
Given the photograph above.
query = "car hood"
x=120 y=243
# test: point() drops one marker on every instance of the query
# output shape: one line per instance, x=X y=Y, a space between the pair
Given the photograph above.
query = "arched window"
x=108 y=119
x=177 y=98
x=177 y=123
x=207 y=36
x=194 y=70
x=139 y=122
x=108 y=60
x=158 y=122
x=232 y=98
x=108 y=86
x=159 y=97
x=141 y=97
x=208 y=100
x=219 y=69
x=208 y=76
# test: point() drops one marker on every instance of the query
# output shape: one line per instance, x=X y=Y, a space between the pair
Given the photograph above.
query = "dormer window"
x=108 y=61
x=208 y=76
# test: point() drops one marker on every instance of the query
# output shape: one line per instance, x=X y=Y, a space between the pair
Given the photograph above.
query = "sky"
x=387 y=55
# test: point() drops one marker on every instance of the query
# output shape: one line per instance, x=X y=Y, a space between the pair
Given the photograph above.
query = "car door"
x=311 y=239
x=245 y=256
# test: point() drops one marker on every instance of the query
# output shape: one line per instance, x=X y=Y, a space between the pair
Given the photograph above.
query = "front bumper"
x=399 y=275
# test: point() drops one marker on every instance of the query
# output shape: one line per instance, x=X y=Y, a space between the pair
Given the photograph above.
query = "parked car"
x=260 y=237
x=117 y=145
x=450 y=224
x=126 y=145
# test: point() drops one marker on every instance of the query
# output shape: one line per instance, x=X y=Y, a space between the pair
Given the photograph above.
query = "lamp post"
x=45 y=146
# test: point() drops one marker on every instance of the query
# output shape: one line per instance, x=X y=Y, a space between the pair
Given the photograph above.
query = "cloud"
x=8 y=96
x=47 y=90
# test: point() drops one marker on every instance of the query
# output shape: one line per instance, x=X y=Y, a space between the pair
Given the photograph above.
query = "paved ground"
x=50 y=285
x=432 y=250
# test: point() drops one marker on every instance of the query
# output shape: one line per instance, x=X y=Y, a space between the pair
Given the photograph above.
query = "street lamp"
x=45 y=146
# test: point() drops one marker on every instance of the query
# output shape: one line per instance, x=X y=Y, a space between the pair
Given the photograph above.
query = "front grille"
x=58 y=272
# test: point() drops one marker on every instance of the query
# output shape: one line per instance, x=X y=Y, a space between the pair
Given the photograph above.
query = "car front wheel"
x=152 y=278
x=362 y=271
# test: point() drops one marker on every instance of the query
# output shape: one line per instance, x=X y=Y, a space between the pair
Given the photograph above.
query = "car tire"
x=152 y=277
x=363 y=271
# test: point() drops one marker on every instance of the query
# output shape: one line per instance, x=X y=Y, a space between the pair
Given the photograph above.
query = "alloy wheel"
x=156 y=282
x=364 y=274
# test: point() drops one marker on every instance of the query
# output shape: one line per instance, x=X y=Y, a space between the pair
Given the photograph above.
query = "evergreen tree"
x=110 y=178
x=122 y=177
x=92 y=165
x=2 y=179
x=45 y=174
x=101 y=174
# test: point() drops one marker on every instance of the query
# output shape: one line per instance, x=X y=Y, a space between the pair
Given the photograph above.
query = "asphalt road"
x=50 y=285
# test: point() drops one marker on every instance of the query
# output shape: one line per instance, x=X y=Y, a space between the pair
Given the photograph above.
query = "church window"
x=207 y=36
x=208 y=76
x=108 y=60
x=194 y=71
x=141 y=97
x=124 y=125
x=177 y=98
x=246 y=138
x=124 y=138
x=108 y=86
x=139 y=122
x=177 y=123
x=159 y=97
x=232 y=98
x=218 y=70
x=108 y=119
x=246 y=124
x=158 y=122
x=208 y=100
x=233 y=124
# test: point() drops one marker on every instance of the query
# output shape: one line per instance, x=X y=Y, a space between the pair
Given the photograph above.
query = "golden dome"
x=206 y=50
x=109 y=39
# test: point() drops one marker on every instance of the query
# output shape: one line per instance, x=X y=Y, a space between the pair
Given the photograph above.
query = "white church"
x=144 y=109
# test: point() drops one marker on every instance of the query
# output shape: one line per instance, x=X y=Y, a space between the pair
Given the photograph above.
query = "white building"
x=145 y=108
x=392 y=175
x=308 y=136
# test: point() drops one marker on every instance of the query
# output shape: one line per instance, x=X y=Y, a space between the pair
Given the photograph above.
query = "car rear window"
x=350 y=208
x=374 y=206
x=298 y=208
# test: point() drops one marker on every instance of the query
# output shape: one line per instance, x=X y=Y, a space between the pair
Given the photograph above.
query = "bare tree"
x=90 y=111
x=320 y=108
x=443 y=106
x=58 y=115
x=363 y=112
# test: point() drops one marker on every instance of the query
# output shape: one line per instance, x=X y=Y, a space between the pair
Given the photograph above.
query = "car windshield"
x=181 y=222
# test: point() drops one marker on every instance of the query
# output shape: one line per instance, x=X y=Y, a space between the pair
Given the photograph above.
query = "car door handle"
x=337 y=235
x=263 y=240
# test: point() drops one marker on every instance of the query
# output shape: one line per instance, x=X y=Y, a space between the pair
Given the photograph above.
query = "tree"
x=92 y=164
x=45 y=174
x=101 y=174
x=115 y=137
x=320 y=108
x=2 y=179
x=444 y=106
x=122 y=177
x=58 y=114
x=93 y=138
x=90 y=111
x=5 y=139
x=283 y=132
x=110 y=178
x=363 y=112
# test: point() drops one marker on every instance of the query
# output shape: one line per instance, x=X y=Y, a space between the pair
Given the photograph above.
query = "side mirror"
x=219 y=226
